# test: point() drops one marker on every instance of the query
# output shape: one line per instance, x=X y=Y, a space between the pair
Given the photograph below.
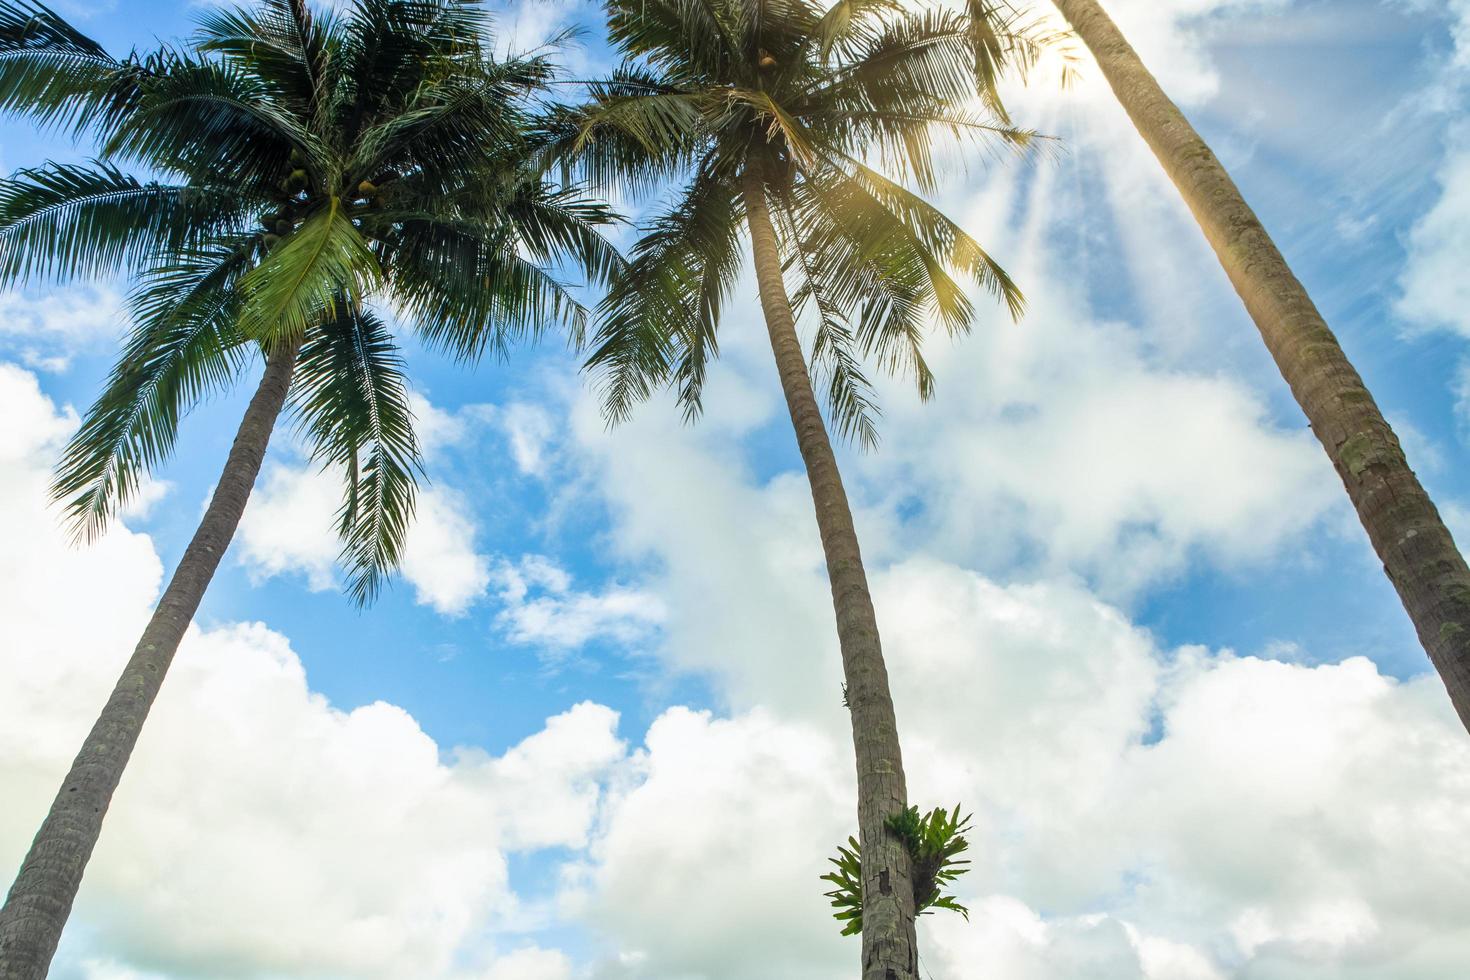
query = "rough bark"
x=1418 y=554
x=890 y=950
x=41 y=898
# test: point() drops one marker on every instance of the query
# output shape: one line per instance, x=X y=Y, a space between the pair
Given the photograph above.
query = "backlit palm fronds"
x=838 y=111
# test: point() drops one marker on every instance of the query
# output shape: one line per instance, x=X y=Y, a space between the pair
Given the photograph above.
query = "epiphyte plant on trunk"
x=934 y=842
x=797 y=126
x=1419 y=556
x=303 y=167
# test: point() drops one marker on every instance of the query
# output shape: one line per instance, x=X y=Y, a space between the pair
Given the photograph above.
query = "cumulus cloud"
x=46 y=330
x=540 y=607
x=436 y=429
x=1139 y=813
x=719 y=837
x=260 y=830
x=1433 y=284
x=1054 y=448
x=720 y=544
x=532 y=963
x=288 y=524
x=529 y=429
x=1061 y=447
x=439 y=556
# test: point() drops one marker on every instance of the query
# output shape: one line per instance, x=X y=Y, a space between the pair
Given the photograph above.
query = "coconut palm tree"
x=773 y=121
x=1418 y=554
x=302 y=167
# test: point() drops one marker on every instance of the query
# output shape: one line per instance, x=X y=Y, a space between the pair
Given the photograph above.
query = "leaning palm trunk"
x=890 y=950
x=41 y=898
x=1418 y=554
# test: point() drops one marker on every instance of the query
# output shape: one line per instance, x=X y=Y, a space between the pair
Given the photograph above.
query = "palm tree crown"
x=815 y=104
x=298 y=166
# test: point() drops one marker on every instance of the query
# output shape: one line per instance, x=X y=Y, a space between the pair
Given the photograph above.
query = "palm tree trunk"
x=1416 y=549
x=890 y=950
x=41 y=898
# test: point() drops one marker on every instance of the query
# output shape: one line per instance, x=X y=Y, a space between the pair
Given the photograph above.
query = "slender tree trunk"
x=890 y=950
x=1418 y=554
x=41 y=898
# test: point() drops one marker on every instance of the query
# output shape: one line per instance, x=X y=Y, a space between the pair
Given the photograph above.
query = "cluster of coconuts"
x=295 y=189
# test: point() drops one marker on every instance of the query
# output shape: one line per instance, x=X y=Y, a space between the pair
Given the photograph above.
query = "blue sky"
x=1121 y=588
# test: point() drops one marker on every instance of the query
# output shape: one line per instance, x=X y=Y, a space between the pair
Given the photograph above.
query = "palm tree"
x=762 y=115
x=306 y=166
x=1418 y=554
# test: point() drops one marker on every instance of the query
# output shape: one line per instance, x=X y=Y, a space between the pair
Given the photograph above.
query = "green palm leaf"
x=184 y=345
x=657 y=321
x=353 y=402
x=64 y=220
x=282 y=43
x=52 y=72
x=306 y=279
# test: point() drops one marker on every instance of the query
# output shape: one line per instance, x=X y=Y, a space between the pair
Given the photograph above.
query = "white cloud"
x=1166 y=38
x=532 y=963
x=1055 y=448
x=1063 y=441
x=439 y=557
x=45 y=330
x=1432 y=285
x=529 y=429
x=1182 y=817
x=542 y=608
x=437 y=429
x=526 y=25
x=1435 y=292
x=288 y=525
x=719 y=837
x=259 y=830
x=150 y=492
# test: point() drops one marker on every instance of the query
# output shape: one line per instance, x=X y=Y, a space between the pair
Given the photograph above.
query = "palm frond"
x=448 y=129
x=214 y=121
x=52 y=72
x=847 y=23
x=469 y=291
x=661 y=124
x=564 y=224
x=184 y=345
x=706 y=34
x=304 y=280
x=836 y=365
x=282 y=43
x=656 y=324
x=67 y=221
x=390 y=47
x=1003 y=40
x=939 y=235
x=872 y=265
x=925 y=50
x=352 y=400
